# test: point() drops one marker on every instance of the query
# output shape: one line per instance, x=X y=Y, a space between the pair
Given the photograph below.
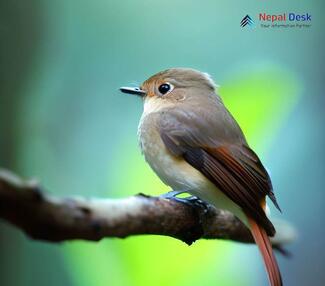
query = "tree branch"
x=43 y=217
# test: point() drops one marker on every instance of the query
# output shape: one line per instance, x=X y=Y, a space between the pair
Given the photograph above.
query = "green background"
x=63 y=121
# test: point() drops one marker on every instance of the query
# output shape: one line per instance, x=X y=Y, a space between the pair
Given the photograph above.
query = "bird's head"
x=173 y=86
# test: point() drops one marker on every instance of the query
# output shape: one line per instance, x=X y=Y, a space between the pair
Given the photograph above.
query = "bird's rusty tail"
x=264 y=244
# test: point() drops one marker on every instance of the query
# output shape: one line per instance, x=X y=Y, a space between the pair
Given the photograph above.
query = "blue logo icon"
x=247 y=20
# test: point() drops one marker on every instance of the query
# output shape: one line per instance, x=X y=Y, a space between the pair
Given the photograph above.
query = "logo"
x=280 y=20
x=247 y=20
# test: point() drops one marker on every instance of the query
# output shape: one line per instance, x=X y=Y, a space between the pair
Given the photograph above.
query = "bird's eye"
x=165 y=88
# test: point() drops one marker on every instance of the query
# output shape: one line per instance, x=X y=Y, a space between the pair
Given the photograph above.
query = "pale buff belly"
x=179 y=175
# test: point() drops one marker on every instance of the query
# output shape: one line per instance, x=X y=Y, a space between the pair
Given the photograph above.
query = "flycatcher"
x=193 y=144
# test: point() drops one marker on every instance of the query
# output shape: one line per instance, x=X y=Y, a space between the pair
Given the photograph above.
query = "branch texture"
x=43 y=217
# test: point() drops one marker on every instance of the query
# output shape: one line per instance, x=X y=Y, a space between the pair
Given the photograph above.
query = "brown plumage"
x=193 y=143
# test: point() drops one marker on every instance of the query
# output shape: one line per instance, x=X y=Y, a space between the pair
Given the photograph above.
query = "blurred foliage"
x=260 y=99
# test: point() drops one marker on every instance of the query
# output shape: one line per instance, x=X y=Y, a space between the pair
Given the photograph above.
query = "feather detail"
x=264 y=244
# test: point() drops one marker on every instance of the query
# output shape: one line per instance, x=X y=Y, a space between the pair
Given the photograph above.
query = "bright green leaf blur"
x=260 y=99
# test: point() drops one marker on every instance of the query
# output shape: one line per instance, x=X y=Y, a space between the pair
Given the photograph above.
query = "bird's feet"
x=190 y=200
x=172 y=195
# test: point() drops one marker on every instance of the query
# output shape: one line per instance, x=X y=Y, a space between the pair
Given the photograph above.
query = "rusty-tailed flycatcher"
x=193 y=144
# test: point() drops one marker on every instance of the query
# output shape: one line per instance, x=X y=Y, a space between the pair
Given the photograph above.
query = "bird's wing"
x=228 y=162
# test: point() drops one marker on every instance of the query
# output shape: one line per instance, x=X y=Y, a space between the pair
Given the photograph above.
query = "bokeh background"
x=63 y=121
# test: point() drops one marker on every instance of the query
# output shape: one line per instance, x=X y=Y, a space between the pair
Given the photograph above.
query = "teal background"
x=63 y=121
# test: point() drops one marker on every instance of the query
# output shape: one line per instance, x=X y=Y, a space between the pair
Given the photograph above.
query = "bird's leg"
x=172 y=194
x=191 y=201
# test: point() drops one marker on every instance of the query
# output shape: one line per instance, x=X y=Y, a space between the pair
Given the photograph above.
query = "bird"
x=194 y=144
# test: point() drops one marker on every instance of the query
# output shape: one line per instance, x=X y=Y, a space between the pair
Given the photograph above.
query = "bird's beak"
x=133 y=90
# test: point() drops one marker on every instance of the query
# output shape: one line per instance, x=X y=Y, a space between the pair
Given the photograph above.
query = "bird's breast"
x=173 y=171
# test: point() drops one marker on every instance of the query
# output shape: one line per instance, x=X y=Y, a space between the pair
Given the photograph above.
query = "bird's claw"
x=198 y=203
x=191 y=201
x=172 y=194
